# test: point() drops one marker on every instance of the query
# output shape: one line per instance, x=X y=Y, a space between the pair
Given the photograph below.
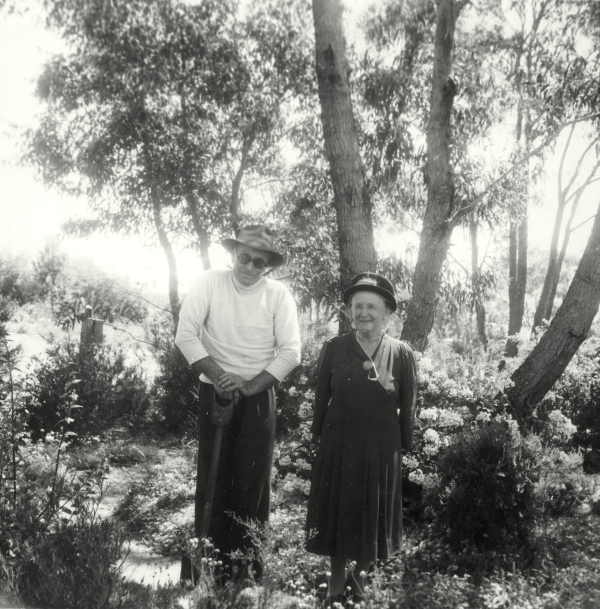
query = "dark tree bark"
x=568 y=329
x=351 y=196
x=438 y=221
x=475 y=275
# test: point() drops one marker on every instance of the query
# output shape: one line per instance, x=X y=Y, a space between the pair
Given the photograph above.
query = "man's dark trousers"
x=243 y=485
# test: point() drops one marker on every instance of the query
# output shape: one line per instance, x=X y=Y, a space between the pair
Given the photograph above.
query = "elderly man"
x=239 y=332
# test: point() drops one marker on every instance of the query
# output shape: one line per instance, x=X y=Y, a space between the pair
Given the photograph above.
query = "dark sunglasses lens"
x=258 y=263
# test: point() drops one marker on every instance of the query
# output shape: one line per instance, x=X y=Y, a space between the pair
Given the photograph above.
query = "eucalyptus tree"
x=553 y=86
x=568 y=329
x=351 y=196
x=160 y=109
x=570 y=189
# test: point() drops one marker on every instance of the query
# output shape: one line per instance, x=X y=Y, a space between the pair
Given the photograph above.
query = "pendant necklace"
x=369 y=366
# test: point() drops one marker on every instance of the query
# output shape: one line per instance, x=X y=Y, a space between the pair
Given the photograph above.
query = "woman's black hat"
x=372 y=282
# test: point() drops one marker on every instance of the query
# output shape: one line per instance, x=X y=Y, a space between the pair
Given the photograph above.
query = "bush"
x=175 y=387
x=77 y=565
x=489 y=503
x=87 y=394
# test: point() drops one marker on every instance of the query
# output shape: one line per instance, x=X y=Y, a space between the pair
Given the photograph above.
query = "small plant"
x=75 y=565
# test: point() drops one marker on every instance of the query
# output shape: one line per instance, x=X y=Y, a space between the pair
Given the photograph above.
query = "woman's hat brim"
x=385 y=294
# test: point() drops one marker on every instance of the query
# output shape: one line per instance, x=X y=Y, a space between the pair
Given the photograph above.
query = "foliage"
x=107 y=299
x=17 y=285
x=53 y=550
x=77 y=564
x=487 y=481
x=166 y=107
x=175 y=388
x=88 y=390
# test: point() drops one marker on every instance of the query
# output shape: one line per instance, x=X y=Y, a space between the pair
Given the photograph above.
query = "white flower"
x=429 y=414
x=431 y=449
x=483 y=417
x=431 y=481
x=431 y=436
x=410 y=462
x=450 y=418
x=285 y=461
x=293 y=391
x=416 y=476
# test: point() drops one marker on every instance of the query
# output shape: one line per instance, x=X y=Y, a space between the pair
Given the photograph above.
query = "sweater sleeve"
x=407 y=395
x=323 y=388
x=287 y=337
x=192 y=316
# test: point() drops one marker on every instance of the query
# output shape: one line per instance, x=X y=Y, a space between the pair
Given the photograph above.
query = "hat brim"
x=275 y=258
x=389 y=298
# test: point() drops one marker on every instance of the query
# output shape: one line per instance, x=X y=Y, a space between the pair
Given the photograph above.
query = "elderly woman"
x=363 y=418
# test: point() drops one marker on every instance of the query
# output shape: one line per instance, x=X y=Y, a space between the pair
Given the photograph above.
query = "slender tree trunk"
x=475 y=282
x=351 y=196
x=568 y=329
x=169 y=254
x=236 y=186
x=544 y=307
x=556 y=256
x=439 y=179
x=188 y=187
x=517 y=248
x=201 y=233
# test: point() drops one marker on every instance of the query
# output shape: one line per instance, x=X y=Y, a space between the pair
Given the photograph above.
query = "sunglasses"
x=259 y=263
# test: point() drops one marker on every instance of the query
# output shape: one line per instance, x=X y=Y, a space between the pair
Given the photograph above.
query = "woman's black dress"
x=355 y=504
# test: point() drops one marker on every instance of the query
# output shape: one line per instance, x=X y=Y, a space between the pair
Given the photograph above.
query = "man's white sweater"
x=244 y=329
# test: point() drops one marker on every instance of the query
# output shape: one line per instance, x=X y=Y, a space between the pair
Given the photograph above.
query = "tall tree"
x=568 y=329
x=552 y=85
x=161 y=110
x=351 y=196
x=568 y=193
x=439 y=179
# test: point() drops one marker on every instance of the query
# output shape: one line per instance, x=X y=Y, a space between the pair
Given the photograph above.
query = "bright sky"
x=30 y=214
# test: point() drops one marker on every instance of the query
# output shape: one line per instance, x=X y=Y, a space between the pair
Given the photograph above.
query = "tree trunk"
x=235 y=201
x=517 y=256
x=188 y=186
x=171 y=260
x=556 y=257
x=568 y=329
x=543 y=310
x=351 y=196
x=202 y=234
x=439 y=179
x=475 y=283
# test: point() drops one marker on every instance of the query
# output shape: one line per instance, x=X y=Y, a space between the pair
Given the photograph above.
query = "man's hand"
x=229 y=381
x=221 y=409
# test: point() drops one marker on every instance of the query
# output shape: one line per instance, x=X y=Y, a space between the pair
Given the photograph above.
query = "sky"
x=31 y=214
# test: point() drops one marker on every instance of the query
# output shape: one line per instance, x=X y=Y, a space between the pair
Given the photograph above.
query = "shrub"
x=88 y=393
x=175 y=387
x=489 y=504
x=76 y=565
